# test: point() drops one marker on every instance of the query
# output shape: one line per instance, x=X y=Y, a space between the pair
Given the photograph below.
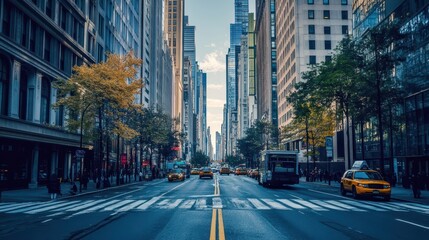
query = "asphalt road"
x=227 y=207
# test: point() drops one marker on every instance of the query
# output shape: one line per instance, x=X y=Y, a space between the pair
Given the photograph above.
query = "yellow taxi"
x=224 y=170
x=206 y=172
x=362 y=181
x=195 y=171
x=176 y=174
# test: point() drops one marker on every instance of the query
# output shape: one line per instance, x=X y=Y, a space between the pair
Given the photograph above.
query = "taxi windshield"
x=368 y=175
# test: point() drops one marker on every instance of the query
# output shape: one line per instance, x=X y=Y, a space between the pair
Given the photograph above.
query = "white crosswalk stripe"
x=78 y=207
x=363 y=205
x=117 y=205
x=327 y=205
x=309 y=205
x=240 y=203
x=50 y=207
x=291 y=204
x=187 y=204
x=258 y=204
x=274 y=204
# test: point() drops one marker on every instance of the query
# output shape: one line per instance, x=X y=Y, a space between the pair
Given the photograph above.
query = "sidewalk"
x=398 y=192
x=41 y=193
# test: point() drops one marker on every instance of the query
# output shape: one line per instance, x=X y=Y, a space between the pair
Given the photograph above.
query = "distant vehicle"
x=224 y=170
x=176 y=174
x=240 y=171
x=362 y=181
x=278 y=167
x=195 y=171
x=206 y=172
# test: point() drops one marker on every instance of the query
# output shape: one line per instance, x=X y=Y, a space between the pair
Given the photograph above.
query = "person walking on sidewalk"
x=54 y=186
x=415 y=184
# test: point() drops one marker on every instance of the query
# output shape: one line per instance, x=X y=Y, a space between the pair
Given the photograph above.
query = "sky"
x=211 y=19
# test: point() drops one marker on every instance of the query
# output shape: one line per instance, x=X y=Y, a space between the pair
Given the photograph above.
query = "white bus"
x=278 y=168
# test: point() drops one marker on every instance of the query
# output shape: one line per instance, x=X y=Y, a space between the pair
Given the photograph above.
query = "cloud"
x=215 y=103
x=211 y=45
x=215 y=87
x=213 y=62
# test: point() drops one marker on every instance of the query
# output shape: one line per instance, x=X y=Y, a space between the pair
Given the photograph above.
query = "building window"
x=345 y=29
x=47 y=52
x=45 y=101
x=50 y=6
x=328 y=58
x=23 y=95
x=312 y=44
x=310 y=14
x=310 y=2
x=6 y=19
x=312 y=59
x=325 y=2
x=4 y=85
x=344 y=2
x=344 y=15
x=311 y=29
x=326 y=14
x=327 y=30
x=328 y=44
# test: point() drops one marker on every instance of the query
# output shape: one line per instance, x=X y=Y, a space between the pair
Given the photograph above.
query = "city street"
x=227 y=207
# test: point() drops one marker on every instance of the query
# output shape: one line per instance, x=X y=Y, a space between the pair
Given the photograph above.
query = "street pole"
x=306 y=133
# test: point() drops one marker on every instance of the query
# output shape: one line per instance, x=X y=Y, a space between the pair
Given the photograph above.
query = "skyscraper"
x=237 y=29
x=173 y=27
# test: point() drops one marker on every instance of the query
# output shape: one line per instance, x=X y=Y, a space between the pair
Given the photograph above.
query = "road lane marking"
x=291 y=204
x=310 y=205
x=342 y=205
x=327 y=205
x=330 y=194
x=361 y=205
x=258 y=204
x=275 y=204
x=201 y=203
x=119 y=204
x=216 y=202
x=415 y=224
x=407 y=205
x=85 y=205
x=147 y=204
x=131 y=206
x=15 y=206
x=187 y=204
x=47 y=220
x=50 y=207
x=213 y=225
x=34 y=207
x=240 y=203
x=221 y=227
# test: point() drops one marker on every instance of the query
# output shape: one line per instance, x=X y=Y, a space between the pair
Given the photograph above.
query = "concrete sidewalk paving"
x=398 y=192
x=41 y=193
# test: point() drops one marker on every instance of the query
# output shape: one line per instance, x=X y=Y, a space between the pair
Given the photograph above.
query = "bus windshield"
x=285 y=167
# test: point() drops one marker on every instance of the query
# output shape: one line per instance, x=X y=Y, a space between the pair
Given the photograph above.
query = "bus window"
x=288 y=167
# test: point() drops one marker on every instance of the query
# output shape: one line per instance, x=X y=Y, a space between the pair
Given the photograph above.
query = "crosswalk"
x=78 y=207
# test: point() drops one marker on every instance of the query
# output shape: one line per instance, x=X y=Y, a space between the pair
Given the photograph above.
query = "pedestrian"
x=73 y=189
x=54 y=186
x=85 y=180
x=415 y=184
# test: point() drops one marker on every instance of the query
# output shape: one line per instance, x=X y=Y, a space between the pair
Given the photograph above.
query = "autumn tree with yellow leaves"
x=101 y=94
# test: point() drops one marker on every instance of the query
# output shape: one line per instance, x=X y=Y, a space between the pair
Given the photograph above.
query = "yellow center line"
x=213 y=226
x=221 y=229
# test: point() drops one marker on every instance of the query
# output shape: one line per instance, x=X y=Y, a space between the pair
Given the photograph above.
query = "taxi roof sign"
x=360 y=165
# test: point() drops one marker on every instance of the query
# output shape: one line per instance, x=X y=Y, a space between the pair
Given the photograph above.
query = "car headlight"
x=180 y=175
x=363 y=185
x=386 y=186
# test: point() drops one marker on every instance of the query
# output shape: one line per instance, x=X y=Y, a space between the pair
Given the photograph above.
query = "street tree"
x=200 y=159
x=102 y=93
